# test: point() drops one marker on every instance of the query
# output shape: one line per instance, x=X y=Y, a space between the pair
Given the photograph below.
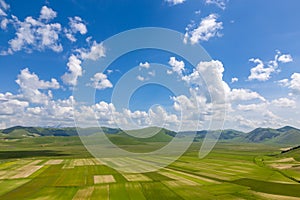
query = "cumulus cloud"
x=47 y=13
x=145 y=65
x=31 y=87
x=4 y=23
x=175 y=2
x=76 y=25
x=95 y=52
x=208 y=28
x=40 y=33
x=74 y=71
x=285 y=58
x=234 y=79
x=3 y=7
x=263 y=70
x=177 y=66
x=244 y=95
x=293 y=83
x=220 y=3
x=100 y=81
x=140 y=78
x=284 y=103
x=35 y=34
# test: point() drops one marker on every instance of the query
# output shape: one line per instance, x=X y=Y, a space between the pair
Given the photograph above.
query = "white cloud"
x=175 y=2
x=234 y=79
x=284 y=103
x=284 y=82
x=31 y=86
x=74 y=71
x=220 y=3
x=95 y=52
x=76 y=25
x=3 y=7
x=100 y=81
x=285 y=58
x=260 y=72
x=4 y=24
x=295 y=83
x=140 y=78
x=263 y=73
x=2 y=13
x=244 y=95
x=145 y=65
x=252 y=107
x=208 y=28
x=35 y=34
x=47 y=13
x=177 y=66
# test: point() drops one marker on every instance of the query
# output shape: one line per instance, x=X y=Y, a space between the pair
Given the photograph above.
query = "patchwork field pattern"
x=235 y=173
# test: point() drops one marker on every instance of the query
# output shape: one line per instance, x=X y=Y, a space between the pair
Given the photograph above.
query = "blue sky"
x=254 y=46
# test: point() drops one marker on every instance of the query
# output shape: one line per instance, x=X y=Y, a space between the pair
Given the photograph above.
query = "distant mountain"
x=227 y=134
x=20 y=131
x=262 y=134
x=284 y=136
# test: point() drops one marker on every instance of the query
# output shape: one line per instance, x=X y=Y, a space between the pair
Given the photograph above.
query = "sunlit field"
x=61 y=168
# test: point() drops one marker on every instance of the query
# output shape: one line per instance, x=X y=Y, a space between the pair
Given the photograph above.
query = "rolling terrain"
x=35 y=165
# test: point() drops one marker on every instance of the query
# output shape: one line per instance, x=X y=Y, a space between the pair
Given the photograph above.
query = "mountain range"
x=286 y=135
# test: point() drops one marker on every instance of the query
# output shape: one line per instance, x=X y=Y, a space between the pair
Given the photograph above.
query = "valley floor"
x=231 y=171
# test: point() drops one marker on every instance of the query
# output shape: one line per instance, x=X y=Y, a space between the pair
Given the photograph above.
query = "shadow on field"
x=29 y=154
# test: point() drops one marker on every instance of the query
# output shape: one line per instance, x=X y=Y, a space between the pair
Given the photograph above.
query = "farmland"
x=61 y=168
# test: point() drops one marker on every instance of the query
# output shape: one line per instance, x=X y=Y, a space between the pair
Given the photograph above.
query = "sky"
x=51 y=56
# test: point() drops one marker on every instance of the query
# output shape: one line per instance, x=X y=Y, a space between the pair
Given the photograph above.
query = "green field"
x=61 y=168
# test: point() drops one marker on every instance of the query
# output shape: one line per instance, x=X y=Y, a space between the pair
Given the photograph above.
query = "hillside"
x=283 y=136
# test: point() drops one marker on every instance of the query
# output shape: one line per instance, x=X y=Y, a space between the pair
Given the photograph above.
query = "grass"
x=230 y=171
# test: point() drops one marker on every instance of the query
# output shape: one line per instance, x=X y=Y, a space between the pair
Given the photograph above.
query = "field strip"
x=236 y=170
x=9 y=185
x=101 y=192
x=96 y=161
x=138 y=164
x=136 y=177
x=84 y=193
x=282 y=160
x=229 y=162
x=69 y=163
x=8 y=165
x=241 y=168
x=26 y=171
x=135 y=191
x=282 y=166
x=179 y=178
x=117 y=162
x=193 y=176
x=214 y=176
x=205 y=169
x=53 y=162
x=275 y=196
x=7 y=174
x=104 y=179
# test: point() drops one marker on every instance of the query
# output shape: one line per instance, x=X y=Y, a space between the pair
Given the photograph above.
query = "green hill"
x=262 y=135
x=285 y=135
